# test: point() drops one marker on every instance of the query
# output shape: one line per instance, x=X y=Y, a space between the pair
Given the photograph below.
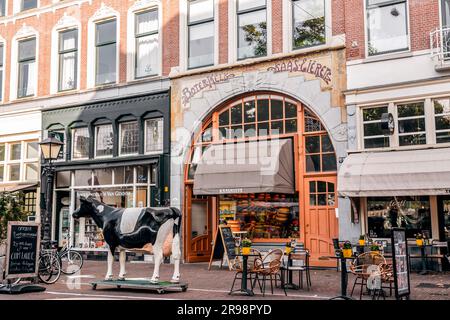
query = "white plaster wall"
x=19 y=123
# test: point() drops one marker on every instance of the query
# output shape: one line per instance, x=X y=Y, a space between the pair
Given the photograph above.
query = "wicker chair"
x=387 y=276
x=251 y=270
x=359 y=268
x=269 y=269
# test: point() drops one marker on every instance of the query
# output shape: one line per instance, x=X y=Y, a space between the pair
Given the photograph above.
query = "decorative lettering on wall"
x=304 y=65
x=203 y=84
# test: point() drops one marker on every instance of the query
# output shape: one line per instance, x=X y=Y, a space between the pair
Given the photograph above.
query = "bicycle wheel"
x=49 y=268
x=71 y=262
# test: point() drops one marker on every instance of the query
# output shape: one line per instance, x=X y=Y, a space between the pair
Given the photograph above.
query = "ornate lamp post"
x=50 y=149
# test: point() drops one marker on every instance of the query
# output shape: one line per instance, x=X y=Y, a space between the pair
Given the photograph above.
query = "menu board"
x=224 y=244
x=22 y=250
x=400 y=260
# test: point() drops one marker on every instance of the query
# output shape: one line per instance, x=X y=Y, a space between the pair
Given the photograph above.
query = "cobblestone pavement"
x=215 y=284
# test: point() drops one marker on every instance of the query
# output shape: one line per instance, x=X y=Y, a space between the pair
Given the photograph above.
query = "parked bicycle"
x=71 y=261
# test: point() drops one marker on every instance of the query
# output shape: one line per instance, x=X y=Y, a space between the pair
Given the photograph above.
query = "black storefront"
x=117 y=151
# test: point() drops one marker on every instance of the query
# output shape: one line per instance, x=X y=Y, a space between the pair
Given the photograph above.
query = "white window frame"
x=140 y=7
x=145 y=136
x=363 y=137
x=27 y=161
x=22 y=162
x=120 y=139
x=233 y=32
x=366 y=35
x=424 y=116
x=66 y=23
x=17 y=6
x=26 y=32
x=96 y=140
x=184 y=36
x=72 y=158
x=103 y=14
x=3 y=82
x=288 y=29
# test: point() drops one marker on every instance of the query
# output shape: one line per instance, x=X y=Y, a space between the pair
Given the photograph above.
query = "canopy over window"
x=253 y=167
x=16 y=187
x=399 y=173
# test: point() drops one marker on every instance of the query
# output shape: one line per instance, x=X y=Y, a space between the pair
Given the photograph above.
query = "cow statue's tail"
x=176 y=244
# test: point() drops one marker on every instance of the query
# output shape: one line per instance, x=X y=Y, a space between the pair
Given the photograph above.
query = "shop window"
x=104 y=140
x=141 y=174
x=312 y=123
x=102 y=177
x=201 y=33
x=411 y=124
x=31 y=172
x=2 y=47
x=411 y=213
x=373 y=133
x=83 y=178
x=60 y=135
x=80 y=143
x=63 y=179
x=14 y=172
x=387 y=26
x=32 y=150
x=28 y=4
x=252 y=28
x=320 y=156
x=308 y=23
x=68 y=57
x=129 y=138
x=322 y=193
x=29 y=203
x=442 y=120
x=27 y=67
x=106 y=52
x=123 y=175
x=15 y=151
x=147 y=43
x=446 y=213
x=263 y=216
x=154 y=134
x=141 y=197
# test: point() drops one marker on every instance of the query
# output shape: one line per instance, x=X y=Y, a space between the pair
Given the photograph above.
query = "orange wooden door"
x=199 y=212
x=321 y=223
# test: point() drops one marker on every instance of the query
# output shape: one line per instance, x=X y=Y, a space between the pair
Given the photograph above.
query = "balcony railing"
x=440 y=46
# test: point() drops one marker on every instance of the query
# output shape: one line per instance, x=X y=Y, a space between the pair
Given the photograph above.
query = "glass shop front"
x=118 y=187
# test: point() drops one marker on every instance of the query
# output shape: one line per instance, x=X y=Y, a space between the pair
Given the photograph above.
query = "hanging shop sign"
x=304 y=65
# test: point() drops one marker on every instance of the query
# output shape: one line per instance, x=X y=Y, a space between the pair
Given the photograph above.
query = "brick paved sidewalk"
x=215 y=284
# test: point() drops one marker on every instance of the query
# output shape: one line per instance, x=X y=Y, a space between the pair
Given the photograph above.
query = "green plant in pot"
x=246 y=246
x=347 y=249
x=375 y=248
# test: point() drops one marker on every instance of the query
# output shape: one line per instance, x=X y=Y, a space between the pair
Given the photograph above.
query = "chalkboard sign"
x=223 y=245
x=400 y=261
x=22 y=250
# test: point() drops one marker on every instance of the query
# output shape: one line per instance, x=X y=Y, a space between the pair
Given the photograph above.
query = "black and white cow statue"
x=134 y=228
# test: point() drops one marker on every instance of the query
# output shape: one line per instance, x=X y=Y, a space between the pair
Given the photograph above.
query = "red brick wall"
x=223 y=31
x=277 y=26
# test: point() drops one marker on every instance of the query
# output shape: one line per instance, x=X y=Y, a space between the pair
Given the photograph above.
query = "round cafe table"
x=344 y=276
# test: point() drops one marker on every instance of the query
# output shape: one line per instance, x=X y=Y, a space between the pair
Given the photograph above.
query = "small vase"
x=419 y=242
x=362 y=243
x=347 y=253
x=246 y=250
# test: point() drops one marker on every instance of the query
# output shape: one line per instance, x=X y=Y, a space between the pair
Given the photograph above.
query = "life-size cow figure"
x=135 y=228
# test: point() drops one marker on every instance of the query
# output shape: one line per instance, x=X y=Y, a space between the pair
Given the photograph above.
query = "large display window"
x=411 y=213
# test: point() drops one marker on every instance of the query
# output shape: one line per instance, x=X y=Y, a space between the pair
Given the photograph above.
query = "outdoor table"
x=289 y=284
x=344 y=276
x=243 y=289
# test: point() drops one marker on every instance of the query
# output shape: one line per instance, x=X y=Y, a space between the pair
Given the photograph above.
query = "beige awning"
x=396 y=173
x=16 y=187
x=253 y=167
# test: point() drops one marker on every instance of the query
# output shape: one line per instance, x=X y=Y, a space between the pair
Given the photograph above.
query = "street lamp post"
x=50 y=149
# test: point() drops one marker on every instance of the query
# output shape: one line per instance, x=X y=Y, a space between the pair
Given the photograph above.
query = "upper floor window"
x=68 y=55
x=104 y=140
x=374 y=136
x=2 y=8
x=154 y=132
x=252 y=28
x=106 y=52
x=80 y=143
x=27 y=67
x=411 y=124
x=19 y=161
x=308 y=23
x=442 y=120
x=201 y=33
x=147 y=43
x=445 y=12
x=1 y=70
x=387 y=26
x=129 y=138
x=28 y=4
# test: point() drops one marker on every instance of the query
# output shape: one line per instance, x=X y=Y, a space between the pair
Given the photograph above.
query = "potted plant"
x=347 y=249
x=375 y=248
x=362 y=240
x=288 y=248
x=419 y=239
x=246 y=246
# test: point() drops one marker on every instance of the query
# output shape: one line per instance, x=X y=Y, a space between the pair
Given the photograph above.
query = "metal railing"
x=440 y=45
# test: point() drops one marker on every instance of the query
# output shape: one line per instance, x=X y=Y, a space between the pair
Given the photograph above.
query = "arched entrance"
x=270 y=216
